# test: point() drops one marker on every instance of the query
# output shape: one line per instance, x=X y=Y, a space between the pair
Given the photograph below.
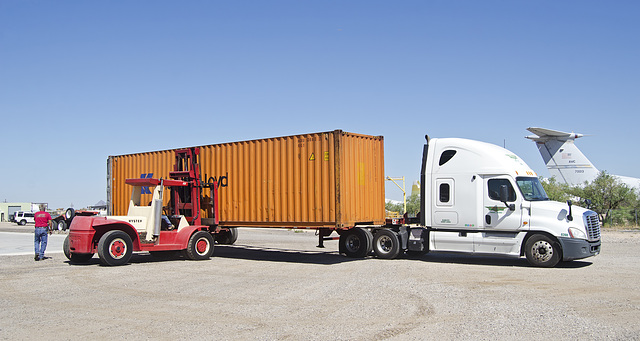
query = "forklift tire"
x=75 y=258
x=386 y=244
x=200 y=246
x=227 y=237
x=115 y=248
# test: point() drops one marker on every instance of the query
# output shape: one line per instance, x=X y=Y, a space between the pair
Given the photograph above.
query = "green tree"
x=391 y=207
x=634 y=209
x=413 y=206
x=606 y=193
x=555 y=190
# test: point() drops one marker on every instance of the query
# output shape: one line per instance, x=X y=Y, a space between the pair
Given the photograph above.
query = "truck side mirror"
x=569 y=216
x=504 y=197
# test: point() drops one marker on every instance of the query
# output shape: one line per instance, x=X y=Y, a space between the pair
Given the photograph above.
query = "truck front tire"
x=115 y=248
x=542 y=251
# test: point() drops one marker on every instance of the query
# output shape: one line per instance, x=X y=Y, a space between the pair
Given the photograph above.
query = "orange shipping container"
x=320 y=180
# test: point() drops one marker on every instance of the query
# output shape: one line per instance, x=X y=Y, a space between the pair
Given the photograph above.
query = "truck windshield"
x=531 y=188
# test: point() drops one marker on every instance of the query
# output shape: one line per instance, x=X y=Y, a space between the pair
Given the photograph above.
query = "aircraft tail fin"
x=564 y=160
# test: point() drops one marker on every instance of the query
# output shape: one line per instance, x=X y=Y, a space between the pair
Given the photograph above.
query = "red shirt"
x=42 y=219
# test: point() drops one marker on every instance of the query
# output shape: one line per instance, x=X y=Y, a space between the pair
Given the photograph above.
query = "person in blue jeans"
x=43 y=220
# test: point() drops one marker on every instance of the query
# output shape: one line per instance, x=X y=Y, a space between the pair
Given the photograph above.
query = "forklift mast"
x=187 y=201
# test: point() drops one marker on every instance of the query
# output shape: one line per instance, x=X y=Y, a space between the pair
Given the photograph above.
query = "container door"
x=497 y=216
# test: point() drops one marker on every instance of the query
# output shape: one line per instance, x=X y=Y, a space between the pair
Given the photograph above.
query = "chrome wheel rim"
x=542 y=251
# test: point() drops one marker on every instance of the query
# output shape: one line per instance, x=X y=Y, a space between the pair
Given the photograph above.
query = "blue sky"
x=82 y=80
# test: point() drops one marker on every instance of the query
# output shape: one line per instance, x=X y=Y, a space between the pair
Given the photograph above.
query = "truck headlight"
x=576 y=233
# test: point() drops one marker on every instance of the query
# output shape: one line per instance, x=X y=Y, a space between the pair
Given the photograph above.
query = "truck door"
x=497 y=216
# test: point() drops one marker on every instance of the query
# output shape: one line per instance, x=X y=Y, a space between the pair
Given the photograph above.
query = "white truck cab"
x=481 y=198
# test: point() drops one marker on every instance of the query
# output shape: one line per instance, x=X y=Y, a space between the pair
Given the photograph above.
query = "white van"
x=22 y=218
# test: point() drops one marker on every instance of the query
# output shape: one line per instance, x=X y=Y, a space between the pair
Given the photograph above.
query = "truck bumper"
x=578 y=248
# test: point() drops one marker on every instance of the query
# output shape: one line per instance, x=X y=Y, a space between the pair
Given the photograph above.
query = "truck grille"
x=592 y=224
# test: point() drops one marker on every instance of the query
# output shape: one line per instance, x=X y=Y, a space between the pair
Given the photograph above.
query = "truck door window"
x=446 y=156
x=494 y=189
x=444 y=192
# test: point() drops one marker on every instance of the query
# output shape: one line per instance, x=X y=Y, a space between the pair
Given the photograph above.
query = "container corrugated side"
x=318 y=180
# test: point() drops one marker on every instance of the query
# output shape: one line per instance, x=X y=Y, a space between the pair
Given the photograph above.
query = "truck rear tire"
x=542 y=251
x=386 y=244
x=227 y=237
x=200 y=246
x=356 y=243
x=115 y=248
x=76 y=258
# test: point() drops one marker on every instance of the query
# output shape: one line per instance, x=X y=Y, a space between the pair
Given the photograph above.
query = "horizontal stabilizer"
x=548 y=134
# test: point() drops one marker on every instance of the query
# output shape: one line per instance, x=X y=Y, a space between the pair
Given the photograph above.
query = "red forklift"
x=155 y=227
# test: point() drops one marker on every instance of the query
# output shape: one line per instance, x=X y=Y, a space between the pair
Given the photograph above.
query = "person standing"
x=43 y=219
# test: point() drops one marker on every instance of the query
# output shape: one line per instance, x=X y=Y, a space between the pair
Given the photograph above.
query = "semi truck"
x=476 y=198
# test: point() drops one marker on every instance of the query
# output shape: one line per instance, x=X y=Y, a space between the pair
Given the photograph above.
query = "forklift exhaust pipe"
x=157 y=213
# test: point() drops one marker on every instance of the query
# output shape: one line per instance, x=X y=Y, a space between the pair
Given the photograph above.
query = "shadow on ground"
x=266 y=254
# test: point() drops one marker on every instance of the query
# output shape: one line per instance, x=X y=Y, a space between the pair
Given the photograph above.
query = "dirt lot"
x=275 y=285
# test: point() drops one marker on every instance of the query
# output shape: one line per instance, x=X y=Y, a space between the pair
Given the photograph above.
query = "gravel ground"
x=276 y=285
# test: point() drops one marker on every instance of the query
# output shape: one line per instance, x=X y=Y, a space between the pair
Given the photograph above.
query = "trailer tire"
x=370 y=239
x=356 y=242
x=61 y=225
x=227 y=237
x=115 y=248
x=77 y=258
x=69 y=213
x=386 y=244
x=200 y=246
x=542 y=251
